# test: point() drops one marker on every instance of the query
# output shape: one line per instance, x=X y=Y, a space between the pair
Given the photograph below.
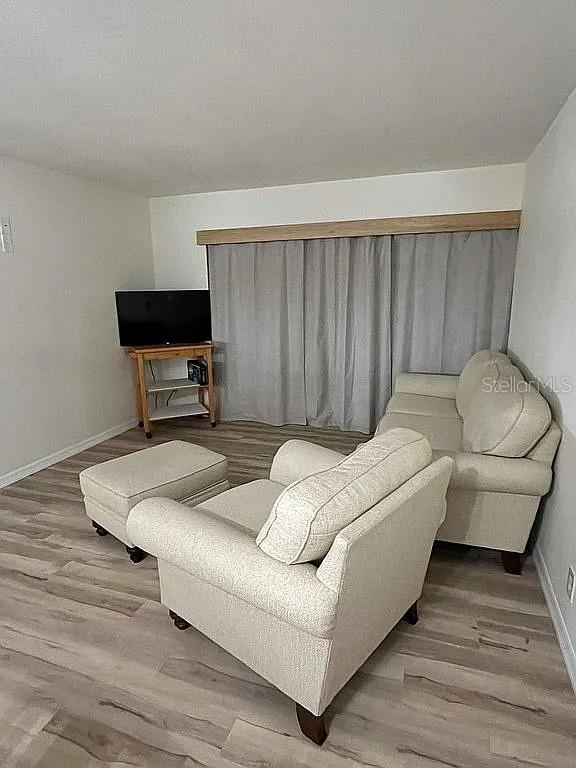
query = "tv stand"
x=206 y=405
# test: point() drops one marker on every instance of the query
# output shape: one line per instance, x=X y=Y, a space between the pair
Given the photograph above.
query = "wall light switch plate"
x=6 y=242
x=570 y=584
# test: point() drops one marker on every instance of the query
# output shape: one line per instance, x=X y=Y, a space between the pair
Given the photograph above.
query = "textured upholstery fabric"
x=482 y=365
x=442 y=433
x=431 y=384
x=176 y=469
x=310 y=512
x=505 y=423
x=296 y=459
x=433 y=479
x=108 y=519
x=489 y=519
x=247 y=505
x=476 y=471
x=492 y=498
x=382 y=569
x=305 y=629
x=545 y=449
x=227 y=557
x=292 y=660
x=115 y=522
x=423 y=405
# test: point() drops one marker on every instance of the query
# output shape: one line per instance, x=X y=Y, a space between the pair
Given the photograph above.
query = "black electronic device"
x=150 y=318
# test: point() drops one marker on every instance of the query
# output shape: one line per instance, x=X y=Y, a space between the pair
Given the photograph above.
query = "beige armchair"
x=501 y=435
x=301 y=576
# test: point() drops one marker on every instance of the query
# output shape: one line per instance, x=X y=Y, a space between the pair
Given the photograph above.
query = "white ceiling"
x=171 y=96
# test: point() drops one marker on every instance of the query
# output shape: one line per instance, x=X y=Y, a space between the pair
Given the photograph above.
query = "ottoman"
x=174 y=470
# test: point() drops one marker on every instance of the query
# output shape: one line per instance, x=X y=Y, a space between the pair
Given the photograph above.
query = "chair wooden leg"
x=512 y=562
x=312 y=726
x=136 y=554
x=179 y=622
x=411 y=615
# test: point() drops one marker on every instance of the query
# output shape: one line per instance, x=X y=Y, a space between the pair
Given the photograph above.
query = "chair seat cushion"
x=176 y=470
x=247 y=506
x=442 y=433
x=423 y=405
x=309 y=513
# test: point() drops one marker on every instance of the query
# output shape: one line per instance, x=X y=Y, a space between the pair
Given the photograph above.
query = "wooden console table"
x=206 y=405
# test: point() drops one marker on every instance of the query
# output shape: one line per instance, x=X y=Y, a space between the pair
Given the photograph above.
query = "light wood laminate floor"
x=93 y=673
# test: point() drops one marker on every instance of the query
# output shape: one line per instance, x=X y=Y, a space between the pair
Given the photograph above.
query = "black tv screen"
x=147 y=318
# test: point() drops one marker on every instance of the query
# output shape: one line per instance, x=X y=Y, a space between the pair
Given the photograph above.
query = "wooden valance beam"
x=405 y=225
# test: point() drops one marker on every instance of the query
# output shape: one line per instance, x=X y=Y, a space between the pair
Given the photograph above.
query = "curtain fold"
x=257 y=295
x=315 y=331
x=452 y=294
x=347 y=295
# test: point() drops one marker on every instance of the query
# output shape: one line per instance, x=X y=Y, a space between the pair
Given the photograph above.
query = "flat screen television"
x=147 y=318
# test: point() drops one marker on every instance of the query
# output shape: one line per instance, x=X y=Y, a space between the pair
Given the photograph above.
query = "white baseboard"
x=564 y=639
x=64 y=453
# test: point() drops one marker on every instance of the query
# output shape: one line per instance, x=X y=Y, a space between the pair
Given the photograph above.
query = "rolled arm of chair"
x=431 y=384
x=227 y=557
x=298 y=458
x=481 y=472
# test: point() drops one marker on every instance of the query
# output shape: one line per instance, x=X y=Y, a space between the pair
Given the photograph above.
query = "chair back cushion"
x=506 y=415
x=310 y=512
x=484 y=364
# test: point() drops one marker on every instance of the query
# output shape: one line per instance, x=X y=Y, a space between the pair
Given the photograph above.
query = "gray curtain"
x=315 y=331
x=258 y=328
x=452 y=294
x=347 y=294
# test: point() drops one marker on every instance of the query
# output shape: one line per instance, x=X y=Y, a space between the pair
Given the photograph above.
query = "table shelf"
x=173 y=385
x=176 y=411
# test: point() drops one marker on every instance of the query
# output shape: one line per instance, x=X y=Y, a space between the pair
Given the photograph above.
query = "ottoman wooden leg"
x=99 y=530
x=179 y=622
x=136 y=554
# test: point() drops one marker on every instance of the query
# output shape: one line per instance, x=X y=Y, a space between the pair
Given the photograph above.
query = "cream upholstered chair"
x=301 y=576
x=501 y=435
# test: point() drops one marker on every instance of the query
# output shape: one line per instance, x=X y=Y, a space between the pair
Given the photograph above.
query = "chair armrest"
x=227 y=557
x=432 y=384
x=480 y=472
x=385 y=551
x=298 y=458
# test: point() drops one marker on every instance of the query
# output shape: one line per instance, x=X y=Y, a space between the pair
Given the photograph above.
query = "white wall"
x=543 y=336
x=63 y=378
x=180 y=263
